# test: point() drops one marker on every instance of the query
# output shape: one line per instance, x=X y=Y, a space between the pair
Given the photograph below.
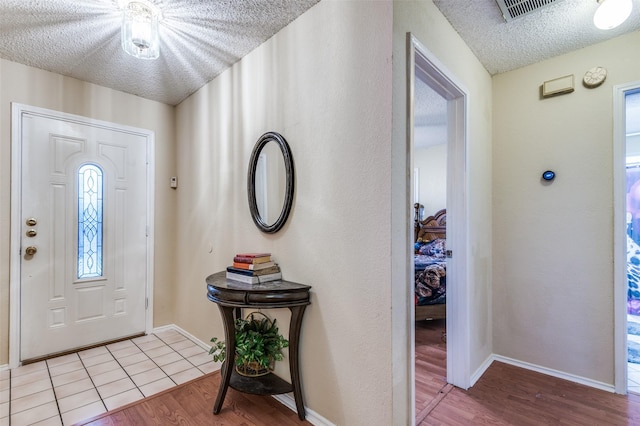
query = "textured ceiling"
x=199 y=40
x=202 y=38
x=550 y=31
x=430 y=116
x=500 y=46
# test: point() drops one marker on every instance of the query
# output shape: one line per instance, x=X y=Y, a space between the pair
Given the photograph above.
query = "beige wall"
x=432 y=165
x=31 y=86
x=431 y=28
x=324 y=83
x=553 y=259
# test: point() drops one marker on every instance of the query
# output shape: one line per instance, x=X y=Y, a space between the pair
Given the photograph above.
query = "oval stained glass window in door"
x=89 y=221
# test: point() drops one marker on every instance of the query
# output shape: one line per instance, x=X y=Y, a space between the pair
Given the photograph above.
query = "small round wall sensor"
x=594 y=77
x=548 y=175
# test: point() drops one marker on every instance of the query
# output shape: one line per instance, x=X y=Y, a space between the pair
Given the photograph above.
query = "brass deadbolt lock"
x=32 y=233
x=30 y=251
x=32 y=221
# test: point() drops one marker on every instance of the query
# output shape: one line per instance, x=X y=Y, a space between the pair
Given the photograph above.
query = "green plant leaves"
x=257 y=340
x=218 y=350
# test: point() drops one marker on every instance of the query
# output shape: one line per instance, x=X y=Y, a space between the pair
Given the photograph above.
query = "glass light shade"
x=612 y=13
x=140 y=31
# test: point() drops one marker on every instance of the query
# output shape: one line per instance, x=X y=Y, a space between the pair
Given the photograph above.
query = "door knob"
x=31 y=250
x=32 y=233
x=32 y=221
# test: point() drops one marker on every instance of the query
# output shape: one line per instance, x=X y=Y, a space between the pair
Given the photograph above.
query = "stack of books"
x=254 y=268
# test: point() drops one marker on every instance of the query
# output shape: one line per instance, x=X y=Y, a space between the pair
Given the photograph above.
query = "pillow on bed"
x=436 y=248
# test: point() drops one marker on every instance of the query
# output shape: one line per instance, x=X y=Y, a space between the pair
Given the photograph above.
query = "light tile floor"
x=76 y=387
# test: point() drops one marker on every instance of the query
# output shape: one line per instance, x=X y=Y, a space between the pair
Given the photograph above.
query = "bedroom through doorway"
x=430 y=204
x=443 y=231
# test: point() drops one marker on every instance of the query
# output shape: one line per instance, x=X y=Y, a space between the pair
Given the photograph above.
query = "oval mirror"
x=270 y=182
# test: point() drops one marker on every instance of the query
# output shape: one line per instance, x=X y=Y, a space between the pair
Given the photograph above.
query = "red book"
x=257 y=258
x=253 y=254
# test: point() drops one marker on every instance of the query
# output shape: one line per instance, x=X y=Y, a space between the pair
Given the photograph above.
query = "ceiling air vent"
x=512 y=9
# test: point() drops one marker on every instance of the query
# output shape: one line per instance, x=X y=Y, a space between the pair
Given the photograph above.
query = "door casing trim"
x=447 y=85
x=619 y=232
x=440 y=79
x=17 y=111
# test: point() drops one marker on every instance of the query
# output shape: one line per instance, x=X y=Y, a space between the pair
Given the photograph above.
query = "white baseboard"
x=555 y=373
x=4 y=367
x=311 y=416
x=480 y=371
x=286 y=399
x=197 y=341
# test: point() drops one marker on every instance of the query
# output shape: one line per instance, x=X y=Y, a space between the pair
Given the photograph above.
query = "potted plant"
x=258 y=345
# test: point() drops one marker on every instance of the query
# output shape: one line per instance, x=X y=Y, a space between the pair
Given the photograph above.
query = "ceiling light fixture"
x=140 y=29
x=611 y=13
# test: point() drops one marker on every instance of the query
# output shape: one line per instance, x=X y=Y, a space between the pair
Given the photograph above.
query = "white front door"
x=83 y=223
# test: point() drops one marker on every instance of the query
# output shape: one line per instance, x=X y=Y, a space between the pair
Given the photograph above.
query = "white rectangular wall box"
x=557 y=86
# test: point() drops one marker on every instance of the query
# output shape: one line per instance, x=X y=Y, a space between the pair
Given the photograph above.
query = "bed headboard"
x=432 y=227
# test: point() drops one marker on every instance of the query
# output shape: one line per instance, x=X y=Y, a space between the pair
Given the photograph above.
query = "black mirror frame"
x=251 y=182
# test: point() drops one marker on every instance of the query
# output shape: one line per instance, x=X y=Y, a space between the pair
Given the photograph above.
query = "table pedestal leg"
x=230 y=349
x=294 y=340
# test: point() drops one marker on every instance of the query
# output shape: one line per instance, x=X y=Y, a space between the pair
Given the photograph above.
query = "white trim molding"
x=481 y=370
x=173 y=327
x=311 y=416
x=425 y=65
x=554 y=373
x=619 y=234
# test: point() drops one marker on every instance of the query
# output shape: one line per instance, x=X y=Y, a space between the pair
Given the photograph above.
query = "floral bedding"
x=430 y=272
x=633 y=277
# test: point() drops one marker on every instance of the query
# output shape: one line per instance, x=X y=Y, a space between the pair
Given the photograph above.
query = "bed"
x=430 y=265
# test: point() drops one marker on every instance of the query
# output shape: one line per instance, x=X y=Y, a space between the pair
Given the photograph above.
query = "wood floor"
x=504 y=395
x=191 y=404
x=431 y=365
x=508 y=395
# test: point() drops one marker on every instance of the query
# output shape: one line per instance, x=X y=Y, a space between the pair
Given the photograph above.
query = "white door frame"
x=17 y=111
x=619 y=232
x=444 y=83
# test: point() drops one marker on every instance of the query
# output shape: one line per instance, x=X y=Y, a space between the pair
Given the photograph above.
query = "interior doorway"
x=430 y=200
x=631 y=139
x=437 y=107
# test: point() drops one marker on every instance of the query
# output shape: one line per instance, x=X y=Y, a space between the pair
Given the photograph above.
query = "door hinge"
x=146 y=303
